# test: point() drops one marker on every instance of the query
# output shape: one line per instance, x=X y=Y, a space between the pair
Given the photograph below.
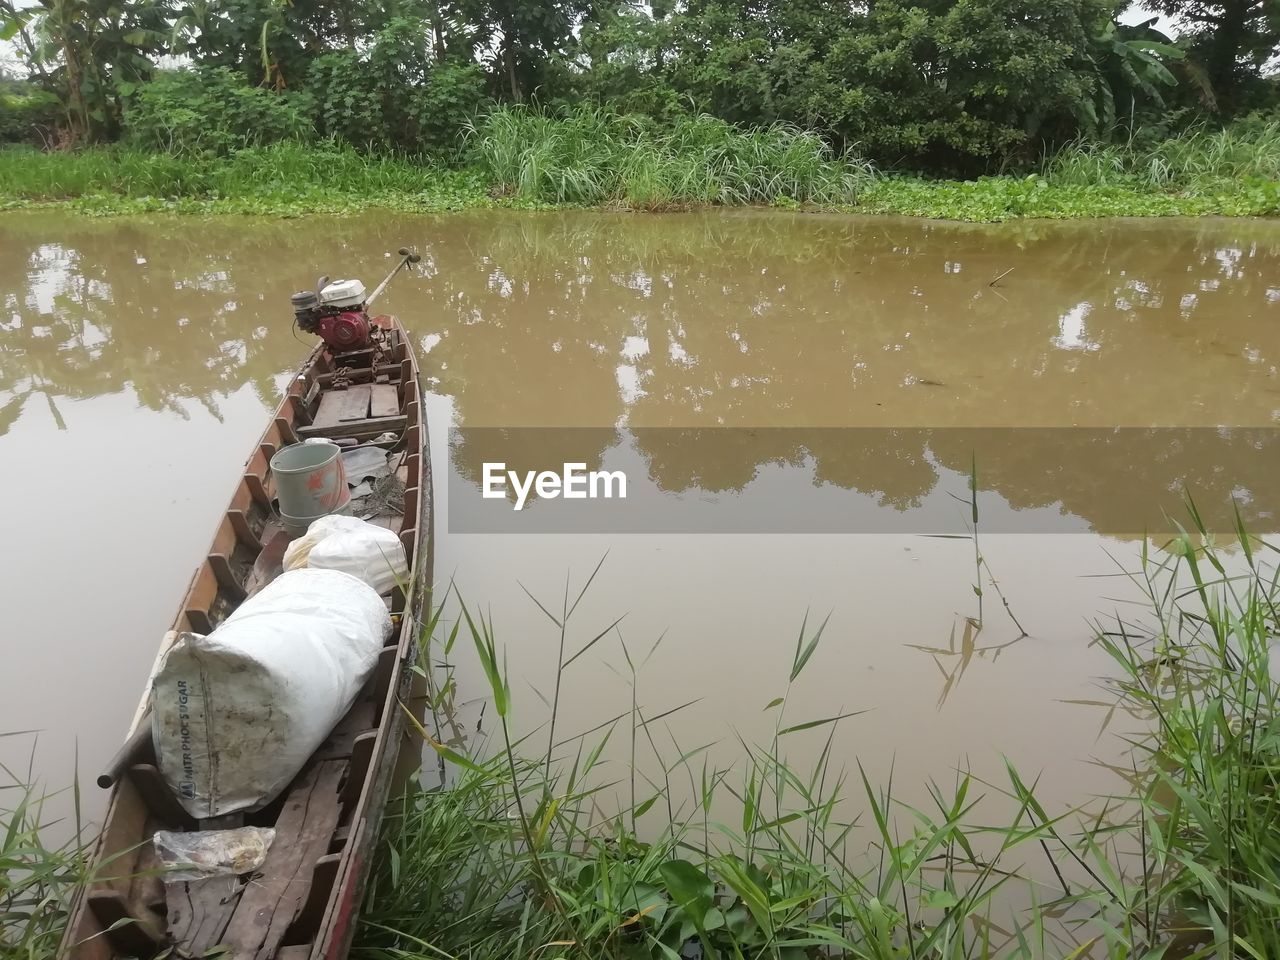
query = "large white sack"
x=237 y=714
x=362 y=549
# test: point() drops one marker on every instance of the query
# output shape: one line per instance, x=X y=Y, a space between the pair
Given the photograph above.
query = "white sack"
x=238 y=713
x=362 y=549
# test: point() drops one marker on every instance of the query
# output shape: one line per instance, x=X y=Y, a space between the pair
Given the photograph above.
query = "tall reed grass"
x=523 y=857
x=1208 y=815
x=1199 y=160
x=593 y=155
x=38 y=876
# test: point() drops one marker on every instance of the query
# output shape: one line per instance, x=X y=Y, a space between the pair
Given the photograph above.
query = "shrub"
x=396 y=96
x=27 y=115
x=212 y=110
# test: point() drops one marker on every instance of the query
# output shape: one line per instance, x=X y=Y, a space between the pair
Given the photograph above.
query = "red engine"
x=335 y=312
x=344 y=331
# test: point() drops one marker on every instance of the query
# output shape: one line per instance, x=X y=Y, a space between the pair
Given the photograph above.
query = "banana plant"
x=95 y=52
x=1129 y=65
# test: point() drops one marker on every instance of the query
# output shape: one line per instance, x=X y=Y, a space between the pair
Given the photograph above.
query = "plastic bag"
x=365 y=550
x=212 y=853
x=236 y=714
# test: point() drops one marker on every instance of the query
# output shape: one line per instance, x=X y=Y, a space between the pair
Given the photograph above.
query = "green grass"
x=284 y=179
x=1208 y=817
x=595 y=157
x=1229 y=172
x=528 y=853
x=1200 y=160
x=37 y=879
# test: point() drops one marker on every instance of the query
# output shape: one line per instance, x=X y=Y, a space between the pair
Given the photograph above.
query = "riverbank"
x=536 y=170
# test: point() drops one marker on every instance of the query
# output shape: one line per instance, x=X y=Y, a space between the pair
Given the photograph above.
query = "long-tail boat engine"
x=338 y=312
x=335 y=312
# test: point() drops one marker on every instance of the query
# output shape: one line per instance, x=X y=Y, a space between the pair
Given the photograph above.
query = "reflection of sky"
x=1072 y=334
x=49 y=276
x=629 y=388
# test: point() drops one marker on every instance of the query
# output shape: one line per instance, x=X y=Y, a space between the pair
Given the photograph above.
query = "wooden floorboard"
x=357 y=428
x=274 y=900
x=356 y=404
x=330 y=410
x=384 y=401
x=199 y=911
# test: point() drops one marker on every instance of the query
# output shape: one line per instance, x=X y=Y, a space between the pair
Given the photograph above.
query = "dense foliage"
x=211 y=109
x=934 y=86
x=27 y=115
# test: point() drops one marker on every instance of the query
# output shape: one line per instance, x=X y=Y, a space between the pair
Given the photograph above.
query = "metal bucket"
x=310 y=483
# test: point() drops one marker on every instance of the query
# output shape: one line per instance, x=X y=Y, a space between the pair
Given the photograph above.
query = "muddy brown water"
x=138 y=360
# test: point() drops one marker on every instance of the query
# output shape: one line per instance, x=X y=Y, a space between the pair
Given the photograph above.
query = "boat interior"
x=300 y=903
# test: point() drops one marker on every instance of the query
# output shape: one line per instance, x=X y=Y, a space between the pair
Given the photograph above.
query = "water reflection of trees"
x=709 y=320
x=758 y=320
x=175 y=310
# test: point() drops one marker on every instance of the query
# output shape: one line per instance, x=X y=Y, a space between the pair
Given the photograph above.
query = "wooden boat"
x=303 y=901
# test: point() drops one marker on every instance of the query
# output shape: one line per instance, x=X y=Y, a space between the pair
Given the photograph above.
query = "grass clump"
x=1201 y=160
x=518 y=858
x=594 y=156
x=1208 y=813
x=37 y=880
x=529 y=853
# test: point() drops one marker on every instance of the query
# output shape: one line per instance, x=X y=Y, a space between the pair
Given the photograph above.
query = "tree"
x=760 y=61
x=95 y=52
x=521 y=37
x=964 y=86
x=397 y=94
x=1233 y=39
x=1131 y=73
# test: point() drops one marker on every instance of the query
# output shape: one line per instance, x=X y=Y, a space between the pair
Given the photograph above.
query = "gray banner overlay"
x=860 y=480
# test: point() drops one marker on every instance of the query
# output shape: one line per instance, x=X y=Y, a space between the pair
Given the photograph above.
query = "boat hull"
x=307 y=898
